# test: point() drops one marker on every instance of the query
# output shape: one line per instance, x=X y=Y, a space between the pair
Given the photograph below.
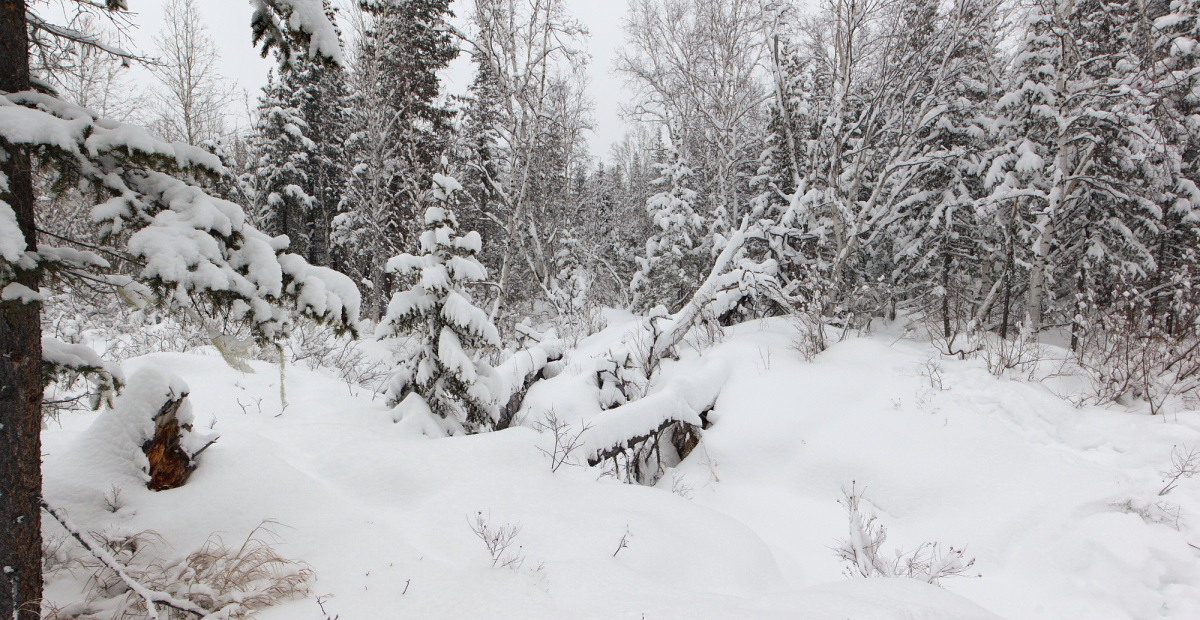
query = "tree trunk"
x=20 y=368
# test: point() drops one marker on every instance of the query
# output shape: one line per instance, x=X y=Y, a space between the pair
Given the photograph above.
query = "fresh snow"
x=1041 y=493
x=12 y=241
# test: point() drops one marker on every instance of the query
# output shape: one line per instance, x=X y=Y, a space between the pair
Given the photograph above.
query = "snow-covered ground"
x=1038 y=491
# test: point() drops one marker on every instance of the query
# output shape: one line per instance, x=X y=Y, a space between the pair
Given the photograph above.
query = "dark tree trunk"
x=20 y=368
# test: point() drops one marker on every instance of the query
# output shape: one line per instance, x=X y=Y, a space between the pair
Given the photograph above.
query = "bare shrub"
x=1134 y=351
x=499 y=541
x=624 y=542
x=567 y=440
x=1019 y=354
x=1156 y=512
x=863 y=550
x=317 y=346
x=810 y=334
x=1185 y=463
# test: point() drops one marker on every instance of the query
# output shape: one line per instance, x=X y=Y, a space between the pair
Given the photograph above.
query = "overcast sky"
x=228 y=22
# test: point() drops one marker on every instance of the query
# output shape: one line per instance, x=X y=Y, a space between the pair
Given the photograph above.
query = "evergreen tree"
x=937 y=253
x=478 y=158
x=675 y=260
x=445 y=368
x=300 y=139
x=1070 y=161
x=1174 y=291
x=283 y=160
x=411 y=43
x=400 y=131
x=191 y=249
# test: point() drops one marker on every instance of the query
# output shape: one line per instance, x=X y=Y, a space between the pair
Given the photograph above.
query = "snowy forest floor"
x=1044 y=495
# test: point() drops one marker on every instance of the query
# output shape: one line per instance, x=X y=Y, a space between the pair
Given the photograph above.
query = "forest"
x=928 y=262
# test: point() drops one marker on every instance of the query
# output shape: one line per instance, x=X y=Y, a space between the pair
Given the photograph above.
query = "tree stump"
x=170 y=464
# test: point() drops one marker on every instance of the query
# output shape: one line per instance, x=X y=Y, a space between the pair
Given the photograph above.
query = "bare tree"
x=531 y=47
x=697 y=67
x=94 y=78
x=193 y=100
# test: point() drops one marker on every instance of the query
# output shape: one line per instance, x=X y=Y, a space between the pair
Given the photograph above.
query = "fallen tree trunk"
x=523 y=370
x=636 y=436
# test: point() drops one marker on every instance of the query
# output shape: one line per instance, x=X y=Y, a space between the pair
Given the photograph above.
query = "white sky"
x=228 y=23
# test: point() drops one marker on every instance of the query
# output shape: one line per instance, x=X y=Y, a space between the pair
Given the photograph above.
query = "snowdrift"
x=1057 y=504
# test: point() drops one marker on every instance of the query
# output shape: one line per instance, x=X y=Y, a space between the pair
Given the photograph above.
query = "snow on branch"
x=82 y=38
x=190 y=246
x=292 y=27
x=686 y=400
x=64 y=363
x=152 y=598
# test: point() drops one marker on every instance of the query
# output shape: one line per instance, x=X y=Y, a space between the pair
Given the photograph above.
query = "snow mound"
x=1057 y=505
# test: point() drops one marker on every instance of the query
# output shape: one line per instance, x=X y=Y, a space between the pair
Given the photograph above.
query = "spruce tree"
x=445 y=368
x=283 y=160
x=299 y=141
x=400 y=132
x=939 y=250
x=675 y=260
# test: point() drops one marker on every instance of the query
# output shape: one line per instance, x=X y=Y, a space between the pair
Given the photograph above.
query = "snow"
x=309 y=16
x=1045 y=496
x=14 y=291
x=12 y=241
x=77 y=356
x=458 y=311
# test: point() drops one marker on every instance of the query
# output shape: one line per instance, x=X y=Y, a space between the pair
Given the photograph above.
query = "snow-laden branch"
x=82 y=38
x=151 y=597
x=669 y=331
x=684 y=400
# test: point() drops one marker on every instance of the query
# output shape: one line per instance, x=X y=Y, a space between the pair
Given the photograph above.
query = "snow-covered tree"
x=675 y=260
x=300 y=164
x=444 y=371
x=283 y=146
x=183 y=246
x=401 y=129
x=939 y=250
x=1068 y=164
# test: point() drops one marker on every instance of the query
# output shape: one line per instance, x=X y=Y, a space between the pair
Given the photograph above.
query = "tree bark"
x=170 y=464
x=20 y=367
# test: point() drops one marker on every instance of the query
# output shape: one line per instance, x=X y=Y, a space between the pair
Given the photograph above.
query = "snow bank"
x=1052 y=501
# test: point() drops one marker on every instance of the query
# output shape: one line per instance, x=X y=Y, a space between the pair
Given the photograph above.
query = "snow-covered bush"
x=863 y=553
x=446 y=369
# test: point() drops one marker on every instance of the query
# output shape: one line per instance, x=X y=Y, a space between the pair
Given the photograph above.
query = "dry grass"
x=232 y=580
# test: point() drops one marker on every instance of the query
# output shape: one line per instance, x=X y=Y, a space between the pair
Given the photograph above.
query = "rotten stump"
x=170 y=463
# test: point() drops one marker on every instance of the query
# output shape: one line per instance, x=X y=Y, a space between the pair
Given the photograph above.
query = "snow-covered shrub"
x=225 y=581
x=863 y=553
x=446 y=370
x=1128 y=354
